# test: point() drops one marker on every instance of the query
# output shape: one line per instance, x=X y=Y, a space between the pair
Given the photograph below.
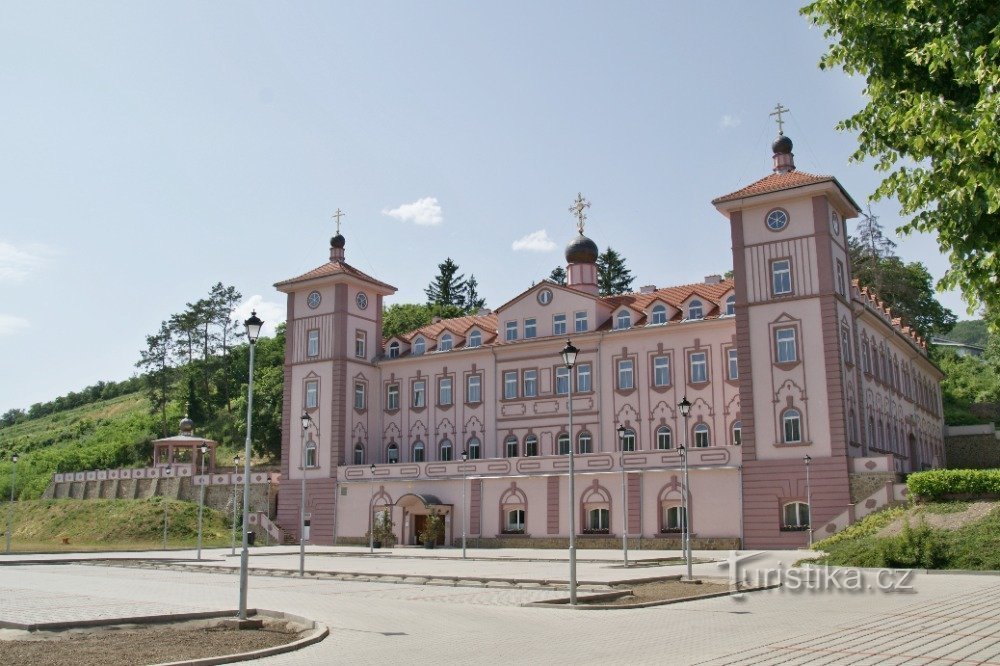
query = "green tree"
x=448 y=287
x=558 y=275
x=473 y=301
x=402 y=318
x=159 y=372
x=613 y=276
x=932 y=119
x=971 y=332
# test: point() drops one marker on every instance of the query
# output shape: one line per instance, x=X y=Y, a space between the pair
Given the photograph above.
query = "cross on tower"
x=577 y=209
x=778 y=110
x=336 y=216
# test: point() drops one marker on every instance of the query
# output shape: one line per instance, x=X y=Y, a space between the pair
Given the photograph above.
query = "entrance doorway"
x=419 y=523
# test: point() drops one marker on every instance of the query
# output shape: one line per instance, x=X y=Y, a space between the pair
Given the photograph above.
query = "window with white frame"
x=623 y=320
x=698 y=367
x=392 y=397
x=510 y=385
x=418 y=451
x=510 y=446
x=580 y=322
x=628 y=440
x=475 y=339
x=661 y=371
x=785 y=348
x=583 y=378
x=562 y=380
x=658 y=315
x=419 y=346
x=530 y=328
x=733 y=367
x=530 y=379
x=419 y=393
x=792 y=426
x=392 y=453
x=562 y=444
x=474 y=388
x=795 y=516
x=695 y=309
x=626 y=374
x=511 y=329
x=701 y=436
x=446 y=342
x=781 y=277
x=598 y=520
x=393 y=349
x=585 y=443
x=360 y=344
x=737 y=432
x=514 y=522
x=531 y=445
x=559 y=324
x=673 y=518
x=475 y=448
x=311 y=454
x=444 y=391
x=359 y=454
x=446 y=450
x=731 y=305
x=663 y=438
x=359 y=395
x=312 y=342
x=312 y=394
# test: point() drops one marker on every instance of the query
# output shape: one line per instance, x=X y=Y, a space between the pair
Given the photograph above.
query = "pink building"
x=786 y=360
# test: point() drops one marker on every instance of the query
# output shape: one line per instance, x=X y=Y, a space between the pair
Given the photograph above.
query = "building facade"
x=788 y=364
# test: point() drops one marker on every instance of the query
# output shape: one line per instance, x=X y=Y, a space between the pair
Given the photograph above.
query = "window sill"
x=596 y=533
x=790 y=445
x=786 y=365
x=515 y=534
x=794 y=528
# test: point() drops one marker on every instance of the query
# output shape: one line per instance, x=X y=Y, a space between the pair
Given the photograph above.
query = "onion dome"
x=187 y=426
x=581 y=250
x=782 y=145
x=338 y=242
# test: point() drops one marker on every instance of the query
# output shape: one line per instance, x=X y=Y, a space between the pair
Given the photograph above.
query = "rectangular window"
x=359 y=396
x=626 y=375
x=530 y=328
x=781 y=277
x=583 y=378
x=312 y=342
x=699 y=367
x=419 y=393
x=510 y=385
x=392 y=397
x=785 y=350
x=734 y=366
x=360 y=344
x=562 y=380
x=559 y=324
x=661 y=371
x=474 y=389
x=312 y=394
x=841 y=284
x=511 y=331
x=530 y=383
x=580 y=320
x=444 y=391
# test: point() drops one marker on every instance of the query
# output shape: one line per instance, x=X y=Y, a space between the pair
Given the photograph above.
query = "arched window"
x=628 y=440
x=663 y=438
x=737 y=433
x=531 y=445
x=475 y=448
x=418 y=451
x=510 y=446
x=659 y=315
x=795 y=516
x=584 y=442
x=475 y=339
x=731 y=305
x=871 y=431
x=446 y=342
x=514 y=521
x=393 y=349
x=359 y=454
x=792 y=426
x=562 y=444
x=513 y=506
x=853 y=426
x=624 y=319
x=881 y=435
x=695 y=310
x=673 y=519
x=701 y=436
x=310 y=453
x=445 y=449
x=598 y=521
x=392 y=453
x=419 y=346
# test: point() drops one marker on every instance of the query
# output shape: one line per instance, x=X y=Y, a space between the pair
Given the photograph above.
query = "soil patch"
x=663 y=590
x=935 y=516
x=139 y=645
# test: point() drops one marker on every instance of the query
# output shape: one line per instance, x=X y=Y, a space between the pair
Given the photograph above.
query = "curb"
x=564 y=602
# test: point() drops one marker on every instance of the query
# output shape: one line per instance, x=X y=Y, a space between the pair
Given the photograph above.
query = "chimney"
x=435 y=319
x=647 y=289
x=713 y=279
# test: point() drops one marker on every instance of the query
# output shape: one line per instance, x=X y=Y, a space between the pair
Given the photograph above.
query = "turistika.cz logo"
x=823 y=578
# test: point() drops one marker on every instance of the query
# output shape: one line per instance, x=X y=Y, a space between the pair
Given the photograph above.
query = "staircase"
x=889 y=494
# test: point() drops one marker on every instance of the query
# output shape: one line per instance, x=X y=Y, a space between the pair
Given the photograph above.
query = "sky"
x=150 y=150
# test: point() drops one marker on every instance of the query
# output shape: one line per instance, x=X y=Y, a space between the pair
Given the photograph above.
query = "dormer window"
x=419 y=346
x=475 y=339
x=446 y=342
x=394 y=349
x=659 y=315
x=731 y=306
x=696 y=310
x=624 y=320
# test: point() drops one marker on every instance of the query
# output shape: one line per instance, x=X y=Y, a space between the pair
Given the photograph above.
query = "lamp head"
x=306 y=420
x=569 y=353
x=14 y=458
x=253 y=325
x=685 y=406
x=681 y=450
x=236 y=460
x=372 y=468
x=807 y=459
x=167 y=469
x=621 y=431
x=465 y=455
x=204 y=448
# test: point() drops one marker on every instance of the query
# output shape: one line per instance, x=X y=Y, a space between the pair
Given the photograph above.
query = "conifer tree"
x=613 y=276
x=448 y=287
x=473 y=301
x=558 y=275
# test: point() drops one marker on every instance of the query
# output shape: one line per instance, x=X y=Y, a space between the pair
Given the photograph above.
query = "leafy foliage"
x=932 y=120
x=92 y=394
x=558 y=275
x=935 y=483
x=402 y=318
x=919 y=546
x=613 y=276
x=971 y=332
x=968 y=380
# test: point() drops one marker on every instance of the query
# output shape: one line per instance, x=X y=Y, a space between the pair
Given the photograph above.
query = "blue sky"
x=153 y=149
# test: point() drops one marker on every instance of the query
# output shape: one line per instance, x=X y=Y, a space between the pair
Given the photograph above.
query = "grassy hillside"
x=41 y=525
x=104 y=434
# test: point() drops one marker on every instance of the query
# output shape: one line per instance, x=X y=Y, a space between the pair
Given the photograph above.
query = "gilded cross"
x=336 y=216
x=577 y=209
x=778 y=110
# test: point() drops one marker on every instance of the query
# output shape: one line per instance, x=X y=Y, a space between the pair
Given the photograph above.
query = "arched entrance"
x=416 y=507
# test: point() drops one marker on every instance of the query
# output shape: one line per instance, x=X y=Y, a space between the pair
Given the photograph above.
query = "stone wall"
x=863 y=485
x=972 y=451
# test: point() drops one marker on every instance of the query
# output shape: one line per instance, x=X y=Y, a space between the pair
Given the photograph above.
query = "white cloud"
x=12 y=324
x=424 y=212
x=16 y=263
x=536 y=241
x=270 y=312
x=728 y=121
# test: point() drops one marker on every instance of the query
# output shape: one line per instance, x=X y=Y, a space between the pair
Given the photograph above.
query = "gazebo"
x=184 y=449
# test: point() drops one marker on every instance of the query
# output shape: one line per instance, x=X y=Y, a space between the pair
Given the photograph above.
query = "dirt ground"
x=947 y=521
x=664 y=590
x=136 y=645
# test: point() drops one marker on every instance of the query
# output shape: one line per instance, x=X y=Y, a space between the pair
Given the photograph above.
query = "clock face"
x=835 y=223
x=545 y=296
x=362 y=300
x=777 y=220
x=313 y=300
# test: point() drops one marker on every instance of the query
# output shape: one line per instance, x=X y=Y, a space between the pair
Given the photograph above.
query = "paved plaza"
x=945 y=619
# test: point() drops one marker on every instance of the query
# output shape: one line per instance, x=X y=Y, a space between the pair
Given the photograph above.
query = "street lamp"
x=569 y=354
x=621 y=445
x=371 y=511
x=236 y=471
x=306 y=422
x=253 y=325
x=166 y=472
x=10 y=509
x=808 y=459
x=201 y=495
x=465 y=513
x=685 y=408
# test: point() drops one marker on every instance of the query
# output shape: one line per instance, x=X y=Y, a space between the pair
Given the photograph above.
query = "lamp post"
x=685 y=408
x=306 y=422
x=10 y=509
x=808 y=459
x=253 y=325
x=236 y=471
x=465 y=506
x=371 y=510
x=166 y=472
x=201 y=495
x=569 y=354
x=621 y=445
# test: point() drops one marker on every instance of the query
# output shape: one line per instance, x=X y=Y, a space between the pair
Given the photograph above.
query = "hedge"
x=936 y=483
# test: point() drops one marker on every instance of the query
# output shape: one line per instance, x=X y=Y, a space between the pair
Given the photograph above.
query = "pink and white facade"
x=786 y=359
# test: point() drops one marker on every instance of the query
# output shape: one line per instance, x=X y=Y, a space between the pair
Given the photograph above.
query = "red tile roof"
x=457 y=325
x=334 y=268
x=776 y=182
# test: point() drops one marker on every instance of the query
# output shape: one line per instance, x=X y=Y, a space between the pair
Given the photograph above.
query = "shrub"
x=919 y=546
x=936 y=483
